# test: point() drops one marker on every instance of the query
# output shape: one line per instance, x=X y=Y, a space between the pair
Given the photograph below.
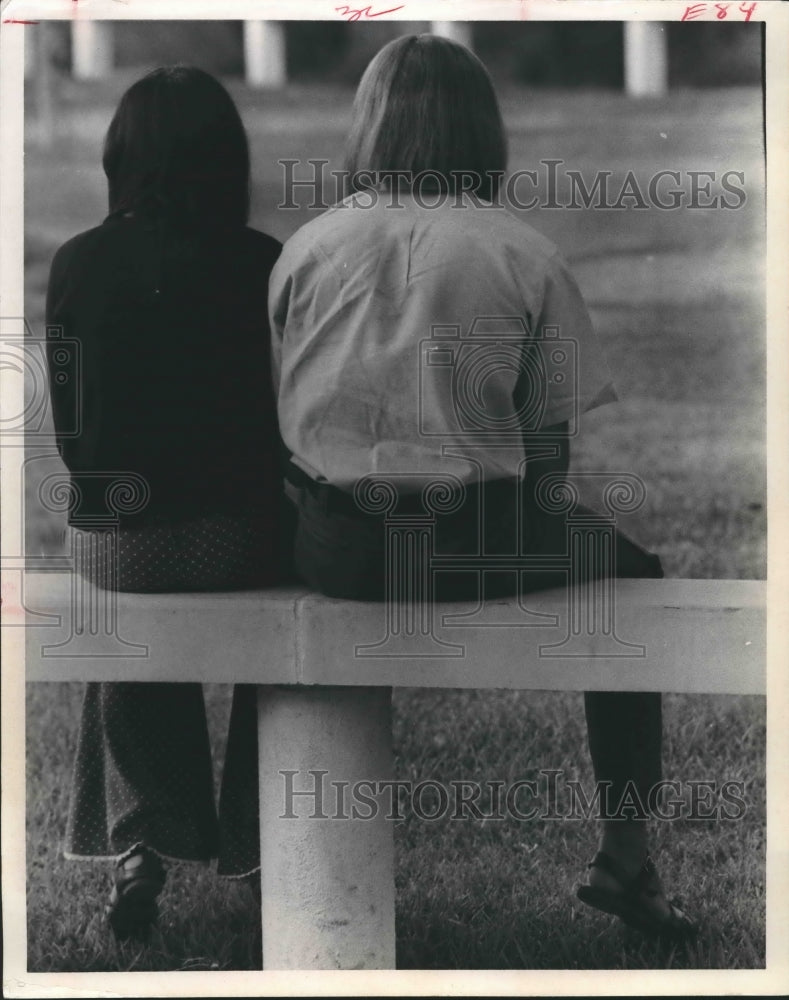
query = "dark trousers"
x=143 y=767
x=341 y=552
x=143 y=775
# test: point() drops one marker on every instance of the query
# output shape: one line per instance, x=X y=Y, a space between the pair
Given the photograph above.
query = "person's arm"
x=575 y=370
x=279 y=287
x=278 y=300
x=63 y=359
x=547 y=453
x=574 y=377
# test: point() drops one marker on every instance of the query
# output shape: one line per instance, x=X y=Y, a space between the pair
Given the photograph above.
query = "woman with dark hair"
x=167 y=300
x=419 y=256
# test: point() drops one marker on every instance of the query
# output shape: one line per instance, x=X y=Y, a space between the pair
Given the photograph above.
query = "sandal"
x=132 y=908
x=630 y=903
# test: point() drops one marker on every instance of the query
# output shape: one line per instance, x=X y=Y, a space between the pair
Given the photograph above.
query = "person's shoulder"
x=512 y=231
x=88 y=254
x=318 y=228
x=84 y=244
x=488 y=233
x=351 y=219
x=528 y=253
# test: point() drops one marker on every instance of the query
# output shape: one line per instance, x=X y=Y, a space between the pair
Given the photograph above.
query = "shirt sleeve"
x=576 y=373
x=279 y=288
x=64 y=359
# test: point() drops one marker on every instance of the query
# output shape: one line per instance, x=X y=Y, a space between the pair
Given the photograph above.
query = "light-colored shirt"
x=418 y=341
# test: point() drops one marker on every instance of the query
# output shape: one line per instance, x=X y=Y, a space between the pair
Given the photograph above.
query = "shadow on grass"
x=566 y=937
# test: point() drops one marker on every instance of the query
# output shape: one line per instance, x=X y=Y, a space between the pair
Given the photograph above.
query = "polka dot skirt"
x=216 y=552
x=143 y=772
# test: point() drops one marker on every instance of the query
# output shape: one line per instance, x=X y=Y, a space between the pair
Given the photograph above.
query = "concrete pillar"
x=264 y=54
x=456 y=31
x=91 y=49
x=327 y=882
x=646 y=59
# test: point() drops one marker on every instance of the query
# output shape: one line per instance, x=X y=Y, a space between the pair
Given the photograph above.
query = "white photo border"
x=772 y=980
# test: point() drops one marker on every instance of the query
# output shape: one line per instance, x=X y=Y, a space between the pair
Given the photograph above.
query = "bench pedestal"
x=327 y=878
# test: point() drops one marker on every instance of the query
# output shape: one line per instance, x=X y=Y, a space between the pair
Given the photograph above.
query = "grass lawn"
x=677 y=297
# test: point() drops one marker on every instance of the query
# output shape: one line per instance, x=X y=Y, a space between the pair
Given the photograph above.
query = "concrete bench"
x=325 y=667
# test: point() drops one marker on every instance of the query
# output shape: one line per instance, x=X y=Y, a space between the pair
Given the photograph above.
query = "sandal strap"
x=607 y=864
x=631 y=885
x=646 y=874
x=143 y=864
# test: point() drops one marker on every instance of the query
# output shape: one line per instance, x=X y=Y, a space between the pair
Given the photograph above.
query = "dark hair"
x=426 y=105
x=176 y=150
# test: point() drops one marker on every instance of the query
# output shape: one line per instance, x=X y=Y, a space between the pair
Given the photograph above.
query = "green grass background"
x=677 y=298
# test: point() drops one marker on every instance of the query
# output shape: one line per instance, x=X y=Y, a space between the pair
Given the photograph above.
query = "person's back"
x=390 y=357
x=173 y=367
x=175 y=467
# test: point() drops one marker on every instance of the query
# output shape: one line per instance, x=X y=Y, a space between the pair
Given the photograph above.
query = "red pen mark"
x=354 y=14
x=13 y=20
x=9 y=601
x=720 y=10
x=693 y=11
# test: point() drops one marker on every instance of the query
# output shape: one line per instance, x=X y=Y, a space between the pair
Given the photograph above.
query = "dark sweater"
x=171 y=380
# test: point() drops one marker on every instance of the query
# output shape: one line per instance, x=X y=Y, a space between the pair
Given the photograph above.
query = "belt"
x=331 y=498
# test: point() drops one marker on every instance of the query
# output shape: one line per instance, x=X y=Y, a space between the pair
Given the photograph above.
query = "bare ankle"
x=626 y=843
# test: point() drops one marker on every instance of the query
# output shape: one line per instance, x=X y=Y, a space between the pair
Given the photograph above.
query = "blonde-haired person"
x=421 y=239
